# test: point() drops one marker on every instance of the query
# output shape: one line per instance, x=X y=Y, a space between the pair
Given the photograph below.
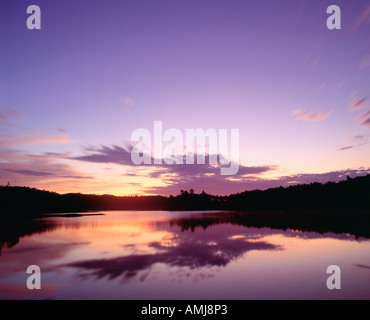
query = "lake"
x=178 y=255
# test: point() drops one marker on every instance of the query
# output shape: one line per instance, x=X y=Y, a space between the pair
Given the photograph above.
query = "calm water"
x=178 y=255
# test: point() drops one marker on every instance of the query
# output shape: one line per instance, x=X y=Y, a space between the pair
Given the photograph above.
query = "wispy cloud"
x=9 y=114
x=13 y=134
x=30 y=173
x=316 y=61
x=355 y=142
x=359 y=137
x=301 y=9
x=363 y=116
x=44 y=171
x=366 y=123
x=366 y=119
x=362 y=19
x=45 y=174
x=309 y=116
x=104 y=154
x=6 y=141
x=365 y=62
x=362 y=266
x=62 y=130
x=122 y=156
x=355 y=146
x=128 y=101
x=357 y=104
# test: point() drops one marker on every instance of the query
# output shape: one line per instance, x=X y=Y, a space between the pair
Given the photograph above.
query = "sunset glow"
x=73 y=92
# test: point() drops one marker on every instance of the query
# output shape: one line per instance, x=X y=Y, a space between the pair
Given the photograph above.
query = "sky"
x=72 y=92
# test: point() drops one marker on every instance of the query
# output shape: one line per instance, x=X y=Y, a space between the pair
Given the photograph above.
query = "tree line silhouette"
x=353 y=193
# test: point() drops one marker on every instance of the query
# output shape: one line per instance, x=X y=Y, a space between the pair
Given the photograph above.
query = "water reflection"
x=335 y=223
x=184 y=249
x=12 y=231
x=169 y=250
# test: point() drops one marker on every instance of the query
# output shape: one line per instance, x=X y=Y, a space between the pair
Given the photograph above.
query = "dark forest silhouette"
x=353 y=194
x=342 y=207
x=11 y=231
x=356 y=223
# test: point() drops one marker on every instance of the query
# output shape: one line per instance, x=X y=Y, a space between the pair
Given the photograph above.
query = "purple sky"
x=72 y=93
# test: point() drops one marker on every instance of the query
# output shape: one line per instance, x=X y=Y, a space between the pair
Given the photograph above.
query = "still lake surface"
x=179 y=255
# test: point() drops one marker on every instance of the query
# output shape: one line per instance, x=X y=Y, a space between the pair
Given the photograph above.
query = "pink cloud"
x=363 y=116
x=366 y=123
x=353 y=146
x=128 y=101
x=16 y=134
x=357 y=105
x=9 y=114
x=356 y=142
x=311 y=117
x=41 y=172
x=36 y=139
